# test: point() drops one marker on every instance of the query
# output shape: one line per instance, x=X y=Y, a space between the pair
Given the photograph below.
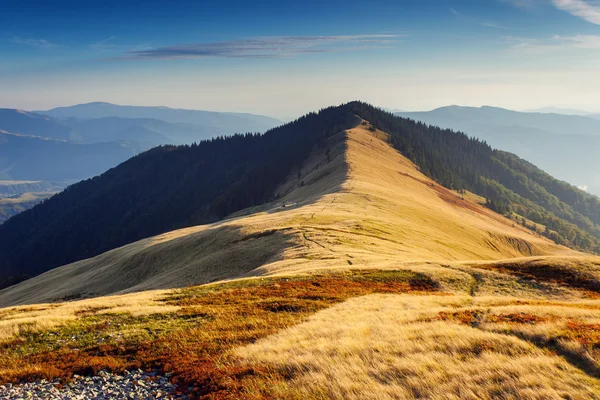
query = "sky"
x=284 y=58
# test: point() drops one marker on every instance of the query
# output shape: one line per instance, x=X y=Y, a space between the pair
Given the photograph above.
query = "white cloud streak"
x=31 y=42
x=556 y=43
x=103 y=44
x=586 y=9
x=265 y=47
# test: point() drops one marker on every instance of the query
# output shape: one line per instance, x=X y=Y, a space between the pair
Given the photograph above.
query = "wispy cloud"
x=104 y=44
x=31 y=42
x=524 y=4
x=556 y=43
x=266 y=47
x=492 y=25
x=589 y=10
x=474 y=20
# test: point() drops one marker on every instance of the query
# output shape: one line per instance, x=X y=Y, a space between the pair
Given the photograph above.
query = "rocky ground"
x=131 y=385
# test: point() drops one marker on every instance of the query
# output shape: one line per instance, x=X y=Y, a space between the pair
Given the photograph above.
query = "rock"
x=133 y=385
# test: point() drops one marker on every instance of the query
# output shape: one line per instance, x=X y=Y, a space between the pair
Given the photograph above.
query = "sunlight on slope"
x=395 y=346
x=16 y=320
x=355 y=203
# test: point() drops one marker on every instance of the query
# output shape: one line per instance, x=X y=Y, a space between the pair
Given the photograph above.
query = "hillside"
x=562 y=145
x=174 y=187
x=29 y=123
x=363 y=279
x=13 y=205
x=357 y=202
x=373 y=282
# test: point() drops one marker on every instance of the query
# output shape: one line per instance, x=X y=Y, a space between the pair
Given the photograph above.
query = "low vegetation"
x=191 y=338
x=356 y=334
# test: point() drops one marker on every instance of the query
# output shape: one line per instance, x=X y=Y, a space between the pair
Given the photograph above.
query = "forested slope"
x=162 y=189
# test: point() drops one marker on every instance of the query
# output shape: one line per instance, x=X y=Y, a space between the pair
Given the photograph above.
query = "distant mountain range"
x=564 y=111
x=73 y=143
x=69 y=144
x=205 y=121
x=566 y=146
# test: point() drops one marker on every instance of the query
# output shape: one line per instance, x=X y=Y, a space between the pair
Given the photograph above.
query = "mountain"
x=29 y=123
x=540 y=138
x=39 y=147
x=25 y=157
x=173 y=187
x=13 y=188
x=362 y=278
x=557 y=110
x=354 y=199
x=147 y=130
x=219 y=122
x=499 y=117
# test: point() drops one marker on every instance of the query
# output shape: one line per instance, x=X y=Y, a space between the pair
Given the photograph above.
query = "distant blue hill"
x=566 y=146
x=218 y=122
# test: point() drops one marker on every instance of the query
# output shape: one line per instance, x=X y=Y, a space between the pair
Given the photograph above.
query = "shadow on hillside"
x=221 y=253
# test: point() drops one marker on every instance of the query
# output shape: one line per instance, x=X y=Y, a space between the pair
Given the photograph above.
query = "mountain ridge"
x=228 y=122
x=146 y=200
x=355 y=200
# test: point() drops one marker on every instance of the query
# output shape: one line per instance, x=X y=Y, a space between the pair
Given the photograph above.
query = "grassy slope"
x=433 y=296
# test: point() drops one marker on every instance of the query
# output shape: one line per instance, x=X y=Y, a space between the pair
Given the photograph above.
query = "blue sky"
x=283 y=58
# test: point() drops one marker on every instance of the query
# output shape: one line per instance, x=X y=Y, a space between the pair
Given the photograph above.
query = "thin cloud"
x=556 y=43
x=265 y=47
x=587 y=10
x=31 y=42
x=524 y=4
x=103 y=44
x=492 y=25
x=474 y=20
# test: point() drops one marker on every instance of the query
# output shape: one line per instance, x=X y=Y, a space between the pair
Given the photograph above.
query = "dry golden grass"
x=195 y=332
x=403 y=347
x=36 y=318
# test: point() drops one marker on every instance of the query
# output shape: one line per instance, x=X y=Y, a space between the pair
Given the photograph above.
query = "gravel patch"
x=130 y=385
